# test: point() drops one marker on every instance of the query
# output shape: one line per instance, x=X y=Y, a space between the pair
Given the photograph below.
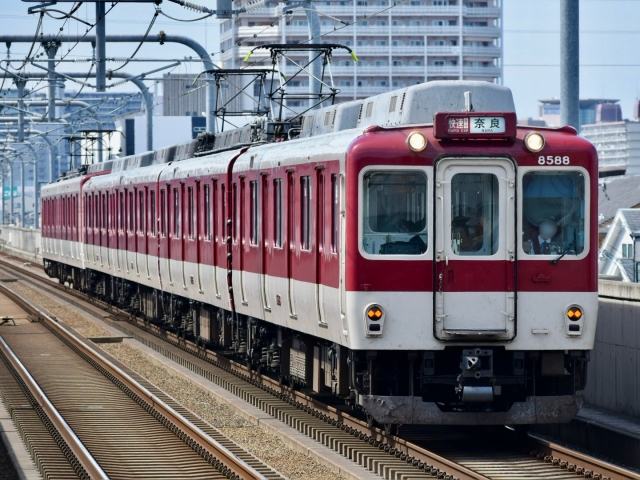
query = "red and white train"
x=416 y=253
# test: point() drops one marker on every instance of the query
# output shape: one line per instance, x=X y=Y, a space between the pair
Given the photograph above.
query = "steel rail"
x=546 y=451
x=580 y=463
x=80 y=452
x=211 y=446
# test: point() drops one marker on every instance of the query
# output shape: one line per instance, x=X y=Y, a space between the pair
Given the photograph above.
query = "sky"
x=609 y=37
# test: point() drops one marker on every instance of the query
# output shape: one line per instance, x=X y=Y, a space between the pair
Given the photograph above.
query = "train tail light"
x=574 y=320
x=373 y=320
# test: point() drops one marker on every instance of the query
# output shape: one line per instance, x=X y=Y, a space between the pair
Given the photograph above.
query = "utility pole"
x=20 y=86
x=101 y=54
x=570 y=63
x=51 y=47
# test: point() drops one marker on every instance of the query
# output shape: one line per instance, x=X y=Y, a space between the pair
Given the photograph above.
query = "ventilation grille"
x=360 y=112
x=402 y=101
x=327 y=117
x=335 y=113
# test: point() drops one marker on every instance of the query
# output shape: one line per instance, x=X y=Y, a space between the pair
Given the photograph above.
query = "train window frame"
x=278 y=221
x=191 y=210
x=132 y=211
x=253 y=212
x=163 y=213
x=335 y=212
x=208 y=222
x=524 y=255
x=306 y=219
x=142 y=210
x=152 y=209
x=177 y=213
x=428 y=172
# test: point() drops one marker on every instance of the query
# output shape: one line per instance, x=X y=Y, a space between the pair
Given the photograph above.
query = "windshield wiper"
x=569 y=248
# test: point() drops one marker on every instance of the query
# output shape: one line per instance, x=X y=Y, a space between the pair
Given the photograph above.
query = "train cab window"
x=253 y=217
x=475 y=223
x=553 y=213
x=277 y=213
x=207 y=212
x=305 y=217
x=153 y=220
x=394 y=212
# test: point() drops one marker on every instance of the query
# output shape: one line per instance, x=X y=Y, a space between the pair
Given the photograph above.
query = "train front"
x=471 y=270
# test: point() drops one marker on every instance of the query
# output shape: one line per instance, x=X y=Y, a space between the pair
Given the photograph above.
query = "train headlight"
x=534 y=142
x=574 y=313
x=373 y=320
x=416 y=141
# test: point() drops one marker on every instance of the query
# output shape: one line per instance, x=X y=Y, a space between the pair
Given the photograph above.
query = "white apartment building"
x=617 y=143
x=397 y=46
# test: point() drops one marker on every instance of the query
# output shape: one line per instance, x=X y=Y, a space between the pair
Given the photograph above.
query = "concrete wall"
x=614 y=370
x=21 y=242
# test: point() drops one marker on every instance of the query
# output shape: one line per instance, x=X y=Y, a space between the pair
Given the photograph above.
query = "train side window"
x=335 y=212
x=163 y=213
x=320 y=216
x=121 y=212
x=192 y=214
x=475 y=221
x=152 y=220
x=277 y=212
x=207 y=212
x=89 y=212
x=104 y=211
x=132 y=215
x=223 y=217
x=305 y=214
x=394 y=212
x=553 y=212
x=253 y=216
x=177 y=217
x=235 y=220
x=141 y=212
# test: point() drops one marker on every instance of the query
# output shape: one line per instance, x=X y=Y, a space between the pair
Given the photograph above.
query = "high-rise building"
x=397 y=45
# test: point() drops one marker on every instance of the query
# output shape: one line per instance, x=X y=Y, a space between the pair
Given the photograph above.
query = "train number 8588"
x=551 y=160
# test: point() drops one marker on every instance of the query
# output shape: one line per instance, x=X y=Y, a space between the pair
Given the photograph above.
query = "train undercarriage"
x=474 y=384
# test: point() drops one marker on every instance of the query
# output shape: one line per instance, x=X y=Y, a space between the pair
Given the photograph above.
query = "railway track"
x=414 y=453
x=96 y=419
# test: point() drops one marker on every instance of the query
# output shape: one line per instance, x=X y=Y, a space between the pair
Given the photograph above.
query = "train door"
x=475 y=254
x=176 y=243
x=291 y=245
x=141 y=231
x=191 y=260
x=242 y=241
x=130 y=253
x=207 y=246
x=164 y=249
x=264 y=246
x=319 y=225
x=87 y=244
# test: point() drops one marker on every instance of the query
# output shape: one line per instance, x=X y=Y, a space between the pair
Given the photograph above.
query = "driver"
x=547 y=229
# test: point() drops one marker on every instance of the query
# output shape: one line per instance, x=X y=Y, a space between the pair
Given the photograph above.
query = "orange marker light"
x=574 y=313
x=374 y=313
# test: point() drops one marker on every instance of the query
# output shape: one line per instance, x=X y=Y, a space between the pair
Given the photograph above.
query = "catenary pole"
x=570 y=63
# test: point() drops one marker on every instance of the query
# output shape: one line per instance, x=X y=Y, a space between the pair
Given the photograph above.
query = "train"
x=417 y=255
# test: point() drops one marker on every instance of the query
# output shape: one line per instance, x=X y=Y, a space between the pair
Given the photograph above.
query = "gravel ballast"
x=267 y=447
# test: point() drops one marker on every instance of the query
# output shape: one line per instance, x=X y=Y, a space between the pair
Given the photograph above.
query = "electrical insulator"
x=162 y=37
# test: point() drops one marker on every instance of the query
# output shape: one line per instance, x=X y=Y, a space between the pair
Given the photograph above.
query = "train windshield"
x=395 y=212
x=553 y=213
x=475 y=224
